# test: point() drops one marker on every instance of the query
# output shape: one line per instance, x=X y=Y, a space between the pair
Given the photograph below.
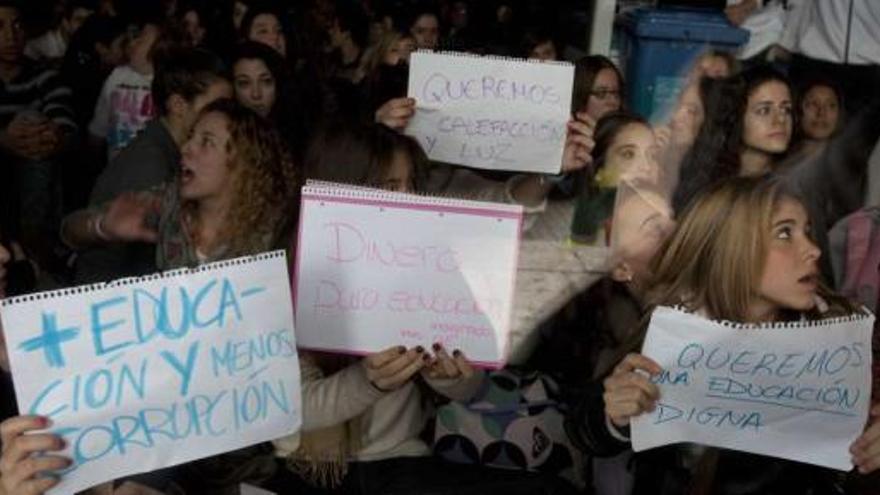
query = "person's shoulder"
x=34 y=71
x=146 y=162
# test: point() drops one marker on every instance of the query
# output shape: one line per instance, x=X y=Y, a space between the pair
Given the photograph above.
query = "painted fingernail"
x=437 y=346
x=426 y=357
x=420 y=349
x=456 y=353
x=401 y=349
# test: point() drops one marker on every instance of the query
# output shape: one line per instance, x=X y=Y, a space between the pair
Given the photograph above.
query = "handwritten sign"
x=798 y=391
x=489 y=112
x=378 y=269
x=141 y=374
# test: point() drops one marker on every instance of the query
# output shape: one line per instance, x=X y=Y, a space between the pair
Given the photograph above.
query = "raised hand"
x=629 y=393
x=125 y=219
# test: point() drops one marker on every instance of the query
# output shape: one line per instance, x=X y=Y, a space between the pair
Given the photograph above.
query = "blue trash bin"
x=659 y=44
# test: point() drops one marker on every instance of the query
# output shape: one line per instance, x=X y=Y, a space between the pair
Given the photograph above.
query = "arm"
x=600 y=422
x=124 y=219
x=346 y=394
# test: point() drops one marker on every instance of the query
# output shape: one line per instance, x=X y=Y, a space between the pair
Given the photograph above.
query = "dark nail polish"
x=426 y=357
x=401 y=349
x=437 y=346
x=420 y=349
x=456 y=353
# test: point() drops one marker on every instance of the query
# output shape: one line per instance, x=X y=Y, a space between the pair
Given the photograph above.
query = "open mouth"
x=811 y=280
x=186 y=175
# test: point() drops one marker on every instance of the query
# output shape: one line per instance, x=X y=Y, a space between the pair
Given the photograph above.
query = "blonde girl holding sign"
x=742 y=252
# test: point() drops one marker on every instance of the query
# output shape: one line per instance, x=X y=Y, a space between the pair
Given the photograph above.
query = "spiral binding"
x=859 y=315
x=352 y=191
x=500 y=58
x=125 y=282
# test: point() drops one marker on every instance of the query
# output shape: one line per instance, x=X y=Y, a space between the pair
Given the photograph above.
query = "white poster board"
x=377 y=269
x=798 y=391
x=491 y=112
x=146 y=373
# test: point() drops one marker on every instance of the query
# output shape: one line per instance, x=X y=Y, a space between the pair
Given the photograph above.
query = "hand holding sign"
x=395 y=113
x=579 y=143
x=444 y=366
x=866 y=449
x=629 y=393
x=24 y=461
x=392 y=368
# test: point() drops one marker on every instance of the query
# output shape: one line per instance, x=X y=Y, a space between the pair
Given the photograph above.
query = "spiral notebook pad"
x=144 y=373
x=798 y=391
x=491 y=112
x=377 y=269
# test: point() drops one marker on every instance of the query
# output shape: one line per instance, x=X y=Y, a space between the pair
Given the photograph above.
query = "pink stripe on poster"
x=483 y=212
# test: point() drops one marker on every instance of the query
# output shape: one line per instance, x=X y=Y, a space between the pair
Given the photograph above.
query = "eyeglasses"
x=604 y=93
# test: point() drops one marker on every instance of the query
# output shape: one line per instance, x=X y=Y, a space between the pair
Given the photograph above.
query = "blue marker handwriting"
x=122 y=322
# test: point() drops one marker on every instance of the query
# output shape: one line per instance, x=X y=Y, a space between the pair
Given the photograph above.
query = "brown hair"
x=263 y=207
x=361 y=154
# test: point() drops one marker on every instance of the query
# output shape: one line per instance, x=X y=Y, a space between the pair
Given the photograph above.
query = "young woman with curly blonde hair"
x=234 y=196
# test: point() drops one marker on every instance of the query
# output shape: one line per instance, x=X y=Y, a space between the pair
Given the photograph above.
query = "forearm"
x=82 y=229
x=335 y=399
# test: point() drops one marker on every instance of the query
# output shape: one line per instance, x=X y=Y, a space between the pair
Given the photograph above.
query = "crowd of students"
x=142 y=136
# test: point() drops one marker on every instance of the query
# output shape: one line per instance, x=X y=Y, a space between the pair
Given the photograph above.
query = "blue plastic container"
x=658 y=45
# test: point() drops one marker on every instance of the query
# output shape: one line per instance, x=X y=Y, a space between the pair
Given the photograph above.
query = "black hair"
x=277 y=67
x=361 y=154
x=351 y=18
x=819 y=80
x=585 y=71
x=534 y=37
x=97 y=29
x=715 y=153
x=258 y=8
x=72 y=5
x=186 y=72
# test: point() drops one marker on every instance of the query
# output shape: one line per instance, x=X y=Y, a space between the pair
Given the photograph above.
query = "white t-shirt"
x=838 y=31
x=123 y=109
x=50 y=45
x=765 y=26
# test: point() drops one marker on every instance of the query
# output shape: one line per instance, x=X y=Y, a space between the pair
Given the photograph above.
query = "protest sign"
x=145 y=373
x=491 y=112
x=798 y=390
x=377 y=269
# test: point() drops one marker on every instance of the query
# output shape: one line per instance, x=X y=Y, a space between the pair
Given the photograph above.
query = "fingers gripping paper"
x=377 y=269
x=798 y=391
x=145 y=373
x=490 y=112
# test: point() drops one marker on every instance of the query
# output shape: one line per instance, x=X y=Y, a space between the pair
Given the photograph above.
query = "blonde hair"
x=376 y=54
x=263 y=205
x=715 y=257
